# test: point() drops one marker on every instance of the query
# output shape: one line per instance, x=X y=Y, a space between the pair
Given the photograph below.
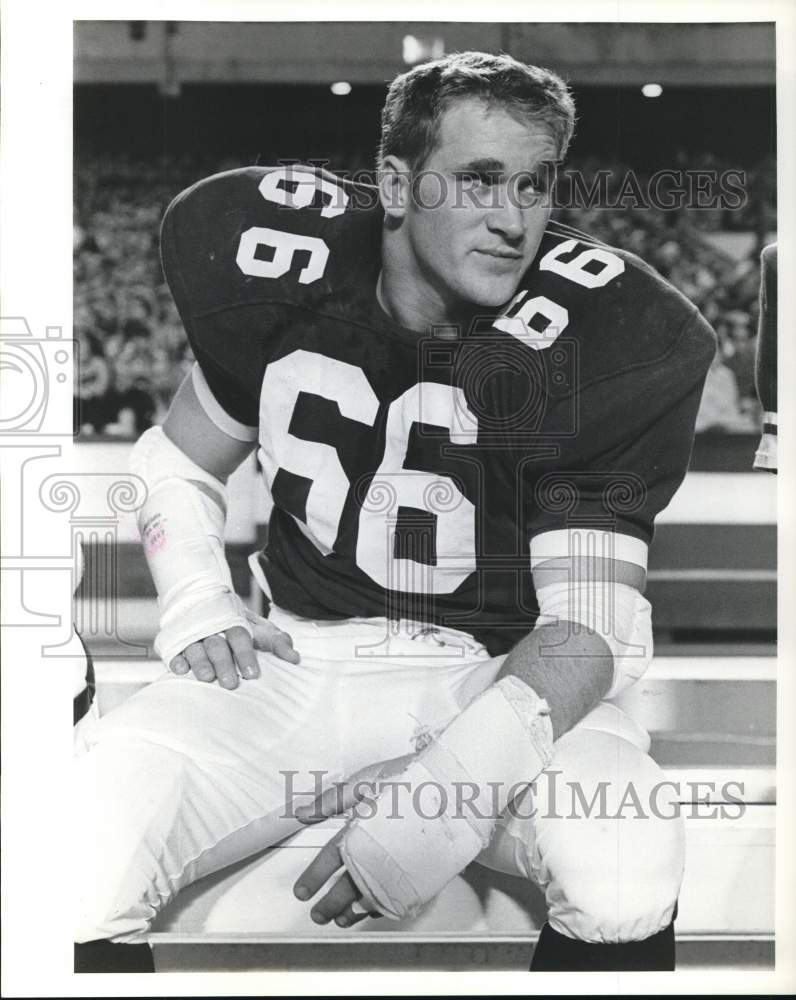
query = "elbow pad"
x=182 y=529
x=618 y=613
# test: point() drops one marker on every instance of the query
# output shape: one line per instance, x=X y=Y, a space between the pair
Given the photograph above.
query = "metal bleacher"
x=708 y=702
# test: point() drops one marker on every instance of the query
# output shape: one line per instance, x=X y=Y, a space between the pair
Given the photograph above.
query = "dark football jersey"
x=409 y=471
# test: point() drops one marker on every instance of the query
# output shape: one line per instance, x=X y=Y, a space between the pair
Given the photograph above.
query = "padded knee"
x=612 y=861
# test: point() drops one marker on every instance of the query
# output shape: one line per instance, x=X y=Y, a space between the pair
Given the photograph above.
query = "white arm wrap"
x=182 y=528
x=619 y=614
x=459 y=786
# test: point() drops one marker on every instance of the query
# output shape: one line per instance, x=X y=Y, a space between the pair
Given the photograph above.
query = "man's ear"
x=395 y=187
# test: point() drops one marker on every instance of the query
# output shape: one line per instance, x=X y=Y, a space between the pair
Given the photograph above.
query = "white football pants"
x=186 y=778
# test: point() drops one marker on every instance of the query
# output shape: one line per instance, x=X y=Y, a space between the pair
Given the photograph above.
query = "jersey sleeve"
x=190 y=263
x=249 y=255
x=636 y=436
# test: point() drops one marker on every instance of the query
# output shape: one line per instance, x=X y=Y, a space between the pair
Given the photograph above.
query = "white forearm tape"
x=619 y=614
x=460 y=784
x=182 y=529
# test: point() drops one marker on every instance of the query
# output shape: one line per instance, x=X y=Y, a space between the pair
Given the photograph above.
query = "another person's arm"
x=766 y=360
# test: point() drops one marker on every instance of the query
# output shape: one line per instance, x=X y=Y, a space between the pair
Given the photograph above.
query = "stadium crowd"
x=133 y=352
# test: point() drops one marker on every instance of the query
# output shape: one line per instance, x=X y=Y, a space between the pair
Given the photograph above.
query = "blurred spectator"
x=134 y=368
x=93 y=385
x=721 y=404
x=738 y=347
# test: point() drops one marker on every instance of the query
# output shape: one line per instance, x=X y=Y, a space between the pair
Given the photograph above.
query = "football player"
x=467 y=418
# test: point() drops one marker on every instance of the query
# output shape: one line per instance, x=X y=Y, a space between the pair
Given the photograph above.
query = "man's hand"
x=341 y=902
x=225 y=655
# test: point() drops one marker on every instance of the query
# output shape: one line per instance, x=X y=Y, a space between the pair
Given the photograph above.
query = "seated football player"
x=467 y=418
x=766 y=360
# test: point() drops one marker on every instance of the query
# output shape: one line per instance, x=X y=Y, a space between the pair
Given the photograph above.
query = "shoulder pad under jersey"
x=268 y=234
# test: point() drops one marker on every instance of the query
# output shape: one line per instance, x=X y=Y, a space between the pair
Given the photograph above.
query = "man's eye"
x=531 y=187
x=541 y=181
x=533 y=183
x=477 y=178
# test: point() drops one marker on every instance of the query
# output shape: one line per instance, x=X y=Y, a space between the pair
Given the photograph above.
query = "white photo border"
x=36 y=283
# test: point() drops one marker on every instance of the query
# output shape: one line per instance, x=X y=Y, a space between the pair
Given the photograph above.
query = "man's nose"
x=507 y=218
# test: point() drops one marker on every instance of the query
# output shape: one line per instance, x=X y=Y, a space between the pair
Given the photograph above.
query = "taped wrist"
x=182 y=530
x=618 y=613
x=459 y=787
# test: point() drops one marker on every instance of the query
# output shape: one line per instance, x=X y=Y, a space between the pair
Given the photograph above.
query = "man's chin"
x=494 y=294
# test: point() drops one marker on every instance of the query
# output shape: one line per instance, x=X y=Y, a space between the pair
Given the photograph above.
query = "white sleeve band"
x=565 y=543
x=182 y=529
x=619 y=614
x=400 y=858
x=216 y=412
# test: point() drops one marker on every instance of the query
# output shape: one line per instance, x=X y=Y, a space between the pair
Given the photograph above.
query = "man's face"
x=479 y=208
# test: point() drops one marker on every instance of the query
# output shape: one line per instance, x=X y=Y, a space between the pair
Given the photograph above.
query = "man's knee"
x=628 y=897
x=128 y=797
x=612 y=862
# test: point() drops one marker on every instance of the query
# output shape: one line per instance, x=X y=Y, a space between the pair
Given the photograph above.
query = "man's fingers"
x=283 y=647
x=335 y=800
x=320 y=869
x=353 y=914
x=241 y=644
x=341 y=796
x=179 y=665
x=270 y=639
x=199 y=662
x=220 y=655
x=336 y=901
